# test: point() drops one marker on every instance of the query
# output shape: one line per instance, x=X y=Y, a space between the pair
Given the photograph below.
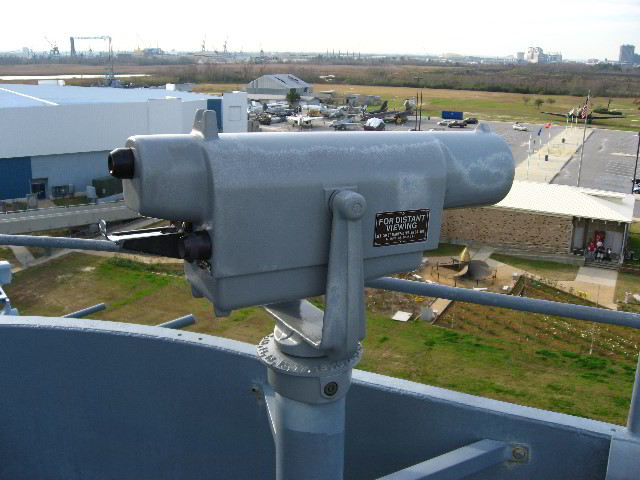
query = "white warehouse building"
x=53 y=135
x=278 y=84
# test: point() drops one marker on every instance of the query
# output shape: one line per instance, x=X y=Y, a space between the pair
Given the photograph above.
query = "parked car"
x=471 y=120
x=264 y=119
x=457 y=123
x=444 y=123
x=517 y=126
x=374 y=124
x=636 y=185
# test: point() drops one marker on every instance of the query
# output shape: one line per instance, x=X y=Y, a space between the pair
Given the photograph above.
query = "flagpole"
x=584 y=133
x=539 y=148
x=529 y=156
x=635 y=170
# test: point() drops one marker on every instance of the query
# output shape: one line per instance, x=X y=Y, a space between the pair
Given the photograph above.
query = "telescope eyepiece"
x=195 y=246
x=121 y=163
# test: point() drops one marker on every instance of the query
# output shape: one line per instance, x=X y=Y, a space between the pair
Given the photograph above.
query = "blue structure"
x=452 y=115
x=15 y=177
x=215 y=104
x=108 y=400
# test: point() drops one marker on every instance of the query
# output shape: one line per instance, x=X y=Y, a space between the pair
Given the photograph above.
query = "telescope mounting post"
x=311 y=354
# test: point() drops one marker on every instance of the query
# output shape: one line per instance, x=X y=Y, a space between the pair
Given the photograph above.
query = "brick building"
x=543 y=218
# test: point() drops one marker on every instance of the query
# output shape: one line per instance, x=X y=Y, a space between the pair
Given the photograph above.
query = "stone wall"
x=495 y=226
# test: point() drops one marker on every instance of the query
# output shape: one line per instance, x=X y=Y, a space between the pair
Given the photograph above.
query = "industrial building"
x=279 y=84
x=537 y=55
x=59 y=136
x=628 y=54
x=544 y=218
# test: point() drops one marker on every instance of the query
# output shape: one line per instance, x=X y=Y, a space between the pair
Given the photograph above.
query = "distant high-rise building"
x=537 y=55
x=627 y=54
x=533 y=54
x=520 y=56
x=553 y=57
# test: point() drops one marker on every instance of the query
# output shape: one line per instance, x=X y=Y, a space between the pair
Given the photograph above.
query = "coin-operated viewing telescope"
x=272 y=218
x=259 y=207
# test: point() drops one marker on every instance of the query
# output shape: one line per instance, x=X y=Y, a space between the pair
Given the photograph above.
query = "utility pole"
x=635 y=170
x=584 y=132
x=417 y=100
x=420 y=126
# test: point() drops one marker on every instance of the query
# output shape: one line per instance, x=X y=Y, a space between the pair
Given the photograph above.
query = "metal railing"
x=57 y=207
x=630 y=438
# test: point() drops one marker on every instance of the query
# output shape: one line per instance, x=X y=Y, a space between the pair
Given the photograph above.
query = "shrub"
x=591 y=363
x=546 y=353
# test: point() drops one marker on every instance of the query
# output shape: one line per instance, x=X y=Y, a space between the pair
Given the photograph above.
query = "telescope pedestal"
x=306 y=411
x=311 y=354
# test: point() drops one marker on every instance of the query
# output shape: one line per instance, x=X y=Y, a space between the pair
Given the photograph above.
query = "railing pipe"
x=86 y=311
x=633 y=422
x=179 y=323
x=533 y=305
x=59 y=242
x=458 y=463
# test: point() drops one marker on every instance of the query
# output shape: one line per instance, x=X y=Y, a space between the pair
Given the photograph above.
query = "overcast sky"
x=579 y=29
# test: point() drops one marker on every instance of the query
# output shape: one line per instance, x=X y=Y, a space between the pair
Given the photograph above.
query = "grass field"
x=445 y=250
x=531 y=360
x=16 y=207
x=551 y=270
x=70 y=201
x=633 y=243
x=7 y=254
x=496 y=106
x=627 y=282
x=217 y=88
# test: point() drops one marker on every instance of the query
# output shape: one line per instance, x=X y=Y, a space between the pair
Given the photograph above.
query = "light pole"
x=418 y=125
x=635 y=170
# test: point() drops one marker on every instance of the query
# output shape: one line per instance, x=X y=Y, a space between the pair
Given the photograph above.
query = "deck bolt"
x=519 y=453
x=330 y=389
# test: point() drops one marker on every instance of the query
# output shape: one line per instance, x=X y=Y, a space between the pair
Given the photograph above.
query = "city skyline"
x=595 y=29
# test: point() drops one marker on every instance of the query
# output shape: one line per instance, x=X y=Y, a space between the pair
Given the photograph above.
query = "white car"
x=517 y=126
x=374 y=124
x=444 y=123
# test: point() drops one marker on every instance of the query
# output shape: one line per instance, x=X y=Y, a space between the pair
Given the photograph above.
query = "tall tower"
x=627 y=53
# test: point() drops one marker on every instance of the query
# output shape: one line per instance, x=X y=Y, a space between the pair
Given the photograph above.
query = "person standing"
x=591 y=249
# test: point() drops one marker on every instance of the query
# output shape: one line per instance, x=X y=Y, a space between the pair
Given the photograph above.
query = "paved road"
x=609 y=155
x=519 y=141
x=608 y=162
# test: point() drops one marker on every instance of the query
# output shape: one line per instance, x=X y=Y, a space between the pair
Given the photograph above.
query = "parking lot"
x=608 y=162
x=517 y=140
x=609 y=155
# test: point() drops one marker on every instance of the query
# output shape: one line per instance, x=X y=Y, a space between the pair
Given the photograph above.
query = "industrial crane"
x=55 y=51
x=109 y=74
x=104 y=37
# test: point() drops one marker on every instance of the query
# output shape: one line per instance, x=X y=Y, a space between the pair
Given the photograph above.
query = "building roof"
x=51 y=95
x=281 y=80
x=567 y=201
x=276 y=97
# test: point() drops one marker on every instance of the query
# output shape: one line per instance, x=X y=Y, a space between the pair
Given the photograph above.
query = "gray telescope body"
x=265 y=199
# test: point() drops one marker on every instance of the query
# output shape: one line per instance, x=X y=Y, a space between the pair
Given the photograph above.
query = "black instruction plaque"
x=397 y=228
